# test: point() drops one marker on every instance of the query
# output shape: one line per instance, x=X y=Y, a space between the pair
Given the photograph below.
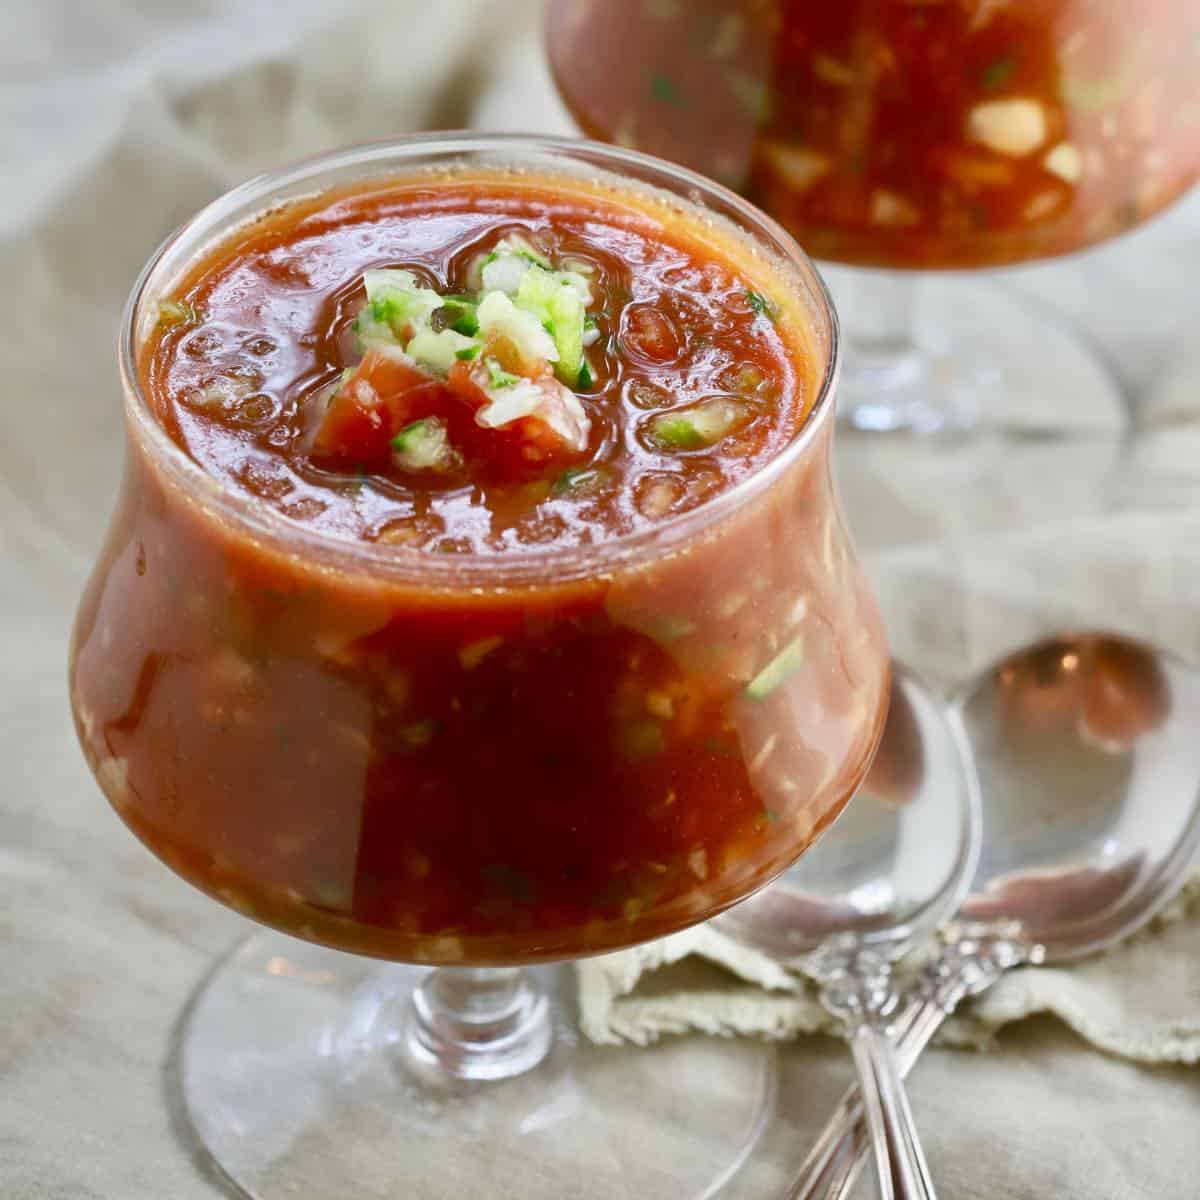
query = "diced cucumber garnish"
x=177 y=312
x=397 y=298
x=503 y=269
x=514 y=245
x=697 y=427
x=498 y=377
x=668 y=627
x=789 y=660
x=1094 y=95
x=459 y=314
x=396 y=302
x=439 y=351
x=509 y=402
x=504 y=274
x=558 y=303
x=500 y=317
x=371 y=333
x=424 y=446
x=677 y=433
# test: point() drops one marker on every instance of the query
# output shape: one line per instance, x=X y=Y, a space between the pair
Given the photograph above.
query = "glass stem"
x=886 y=379
x=478 y=1022
x=879 y=312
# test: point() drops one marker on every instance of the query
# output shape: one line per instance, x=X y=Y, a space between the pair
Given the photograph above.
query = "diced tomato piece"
x=513 y=450
x=651 y=334
x=384 y=394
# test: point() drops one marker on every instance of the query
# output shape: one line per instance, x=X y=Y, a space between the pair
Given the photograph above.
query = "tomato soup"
x=486 y=599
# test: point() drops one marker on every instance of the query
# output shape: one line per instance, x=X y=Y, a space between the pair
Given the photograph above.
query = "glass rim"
x=493 y=569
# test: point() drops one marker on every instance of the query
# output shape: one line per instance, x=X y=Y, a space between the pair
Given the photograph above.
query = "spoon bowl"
x=898 y=861
x=1088 y=763
x=1087 y=751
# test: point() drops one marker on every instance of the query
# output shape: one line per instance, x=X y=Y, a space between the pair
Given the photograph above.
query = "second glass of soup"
x=907 y=137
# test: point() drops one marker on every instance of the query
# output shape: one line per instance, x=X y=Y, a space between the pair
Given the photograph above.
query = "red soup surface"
x=904 y=133
x=489 y=668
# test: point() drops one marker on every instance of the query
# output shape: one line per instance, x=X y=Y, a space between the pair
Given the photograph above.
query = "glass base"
x=967 y=354
x=300 y=1077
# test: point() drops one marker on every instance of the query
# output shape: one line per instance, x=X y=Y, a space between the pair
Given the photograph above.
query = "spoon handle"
x=899 y=1160
x=971 y=960
x=838 y=1155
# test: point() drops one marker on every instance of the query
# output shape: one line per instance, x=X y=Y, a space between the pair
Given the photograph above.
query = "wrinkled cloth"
x=1140 y=1000
x=117 y=121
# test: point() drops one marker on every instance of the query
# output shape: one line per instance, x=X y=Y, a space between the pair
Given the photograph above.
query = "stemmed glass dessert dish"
x=477 y=597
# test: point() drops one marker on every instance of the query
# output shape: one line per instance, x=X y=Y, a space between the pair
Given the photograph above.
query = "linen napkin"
x=1141 y=1000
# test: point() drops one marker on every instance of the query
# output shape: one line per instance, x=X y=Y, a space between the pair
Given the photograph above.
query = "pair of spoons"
x=1049 y=809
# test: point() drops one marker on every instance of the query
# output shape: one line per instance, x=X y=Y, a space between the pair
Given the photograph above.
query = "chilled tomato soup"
x=904 y=133
x=489 y=601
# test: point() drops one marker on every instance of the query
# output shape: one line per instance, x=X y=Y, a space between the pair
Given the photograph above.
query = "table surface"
x=119 y=119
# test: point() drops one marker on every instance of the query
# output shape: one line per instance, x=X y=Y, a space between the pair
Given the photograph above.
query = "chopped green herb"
x=664 y=89
x=585 y=375
x=759 y=304
x=785 y=663
x=466 y=355
x=996 y=74
x=578 y=480
x=770 y=815
x=589 y=322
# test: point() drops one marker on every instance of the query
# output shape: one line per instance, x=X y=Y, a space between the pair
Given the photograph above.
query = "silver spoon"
x=1089 y=764
x=892 y=869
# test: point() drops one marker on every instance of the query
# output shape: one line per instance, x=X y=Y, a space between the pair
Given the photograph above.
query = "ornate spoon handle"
x=973 y=957
x=899 y=1160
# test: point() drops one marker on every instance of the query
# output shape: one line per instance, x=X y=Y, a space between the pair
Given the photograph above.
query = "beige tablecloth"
x=117 y=120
